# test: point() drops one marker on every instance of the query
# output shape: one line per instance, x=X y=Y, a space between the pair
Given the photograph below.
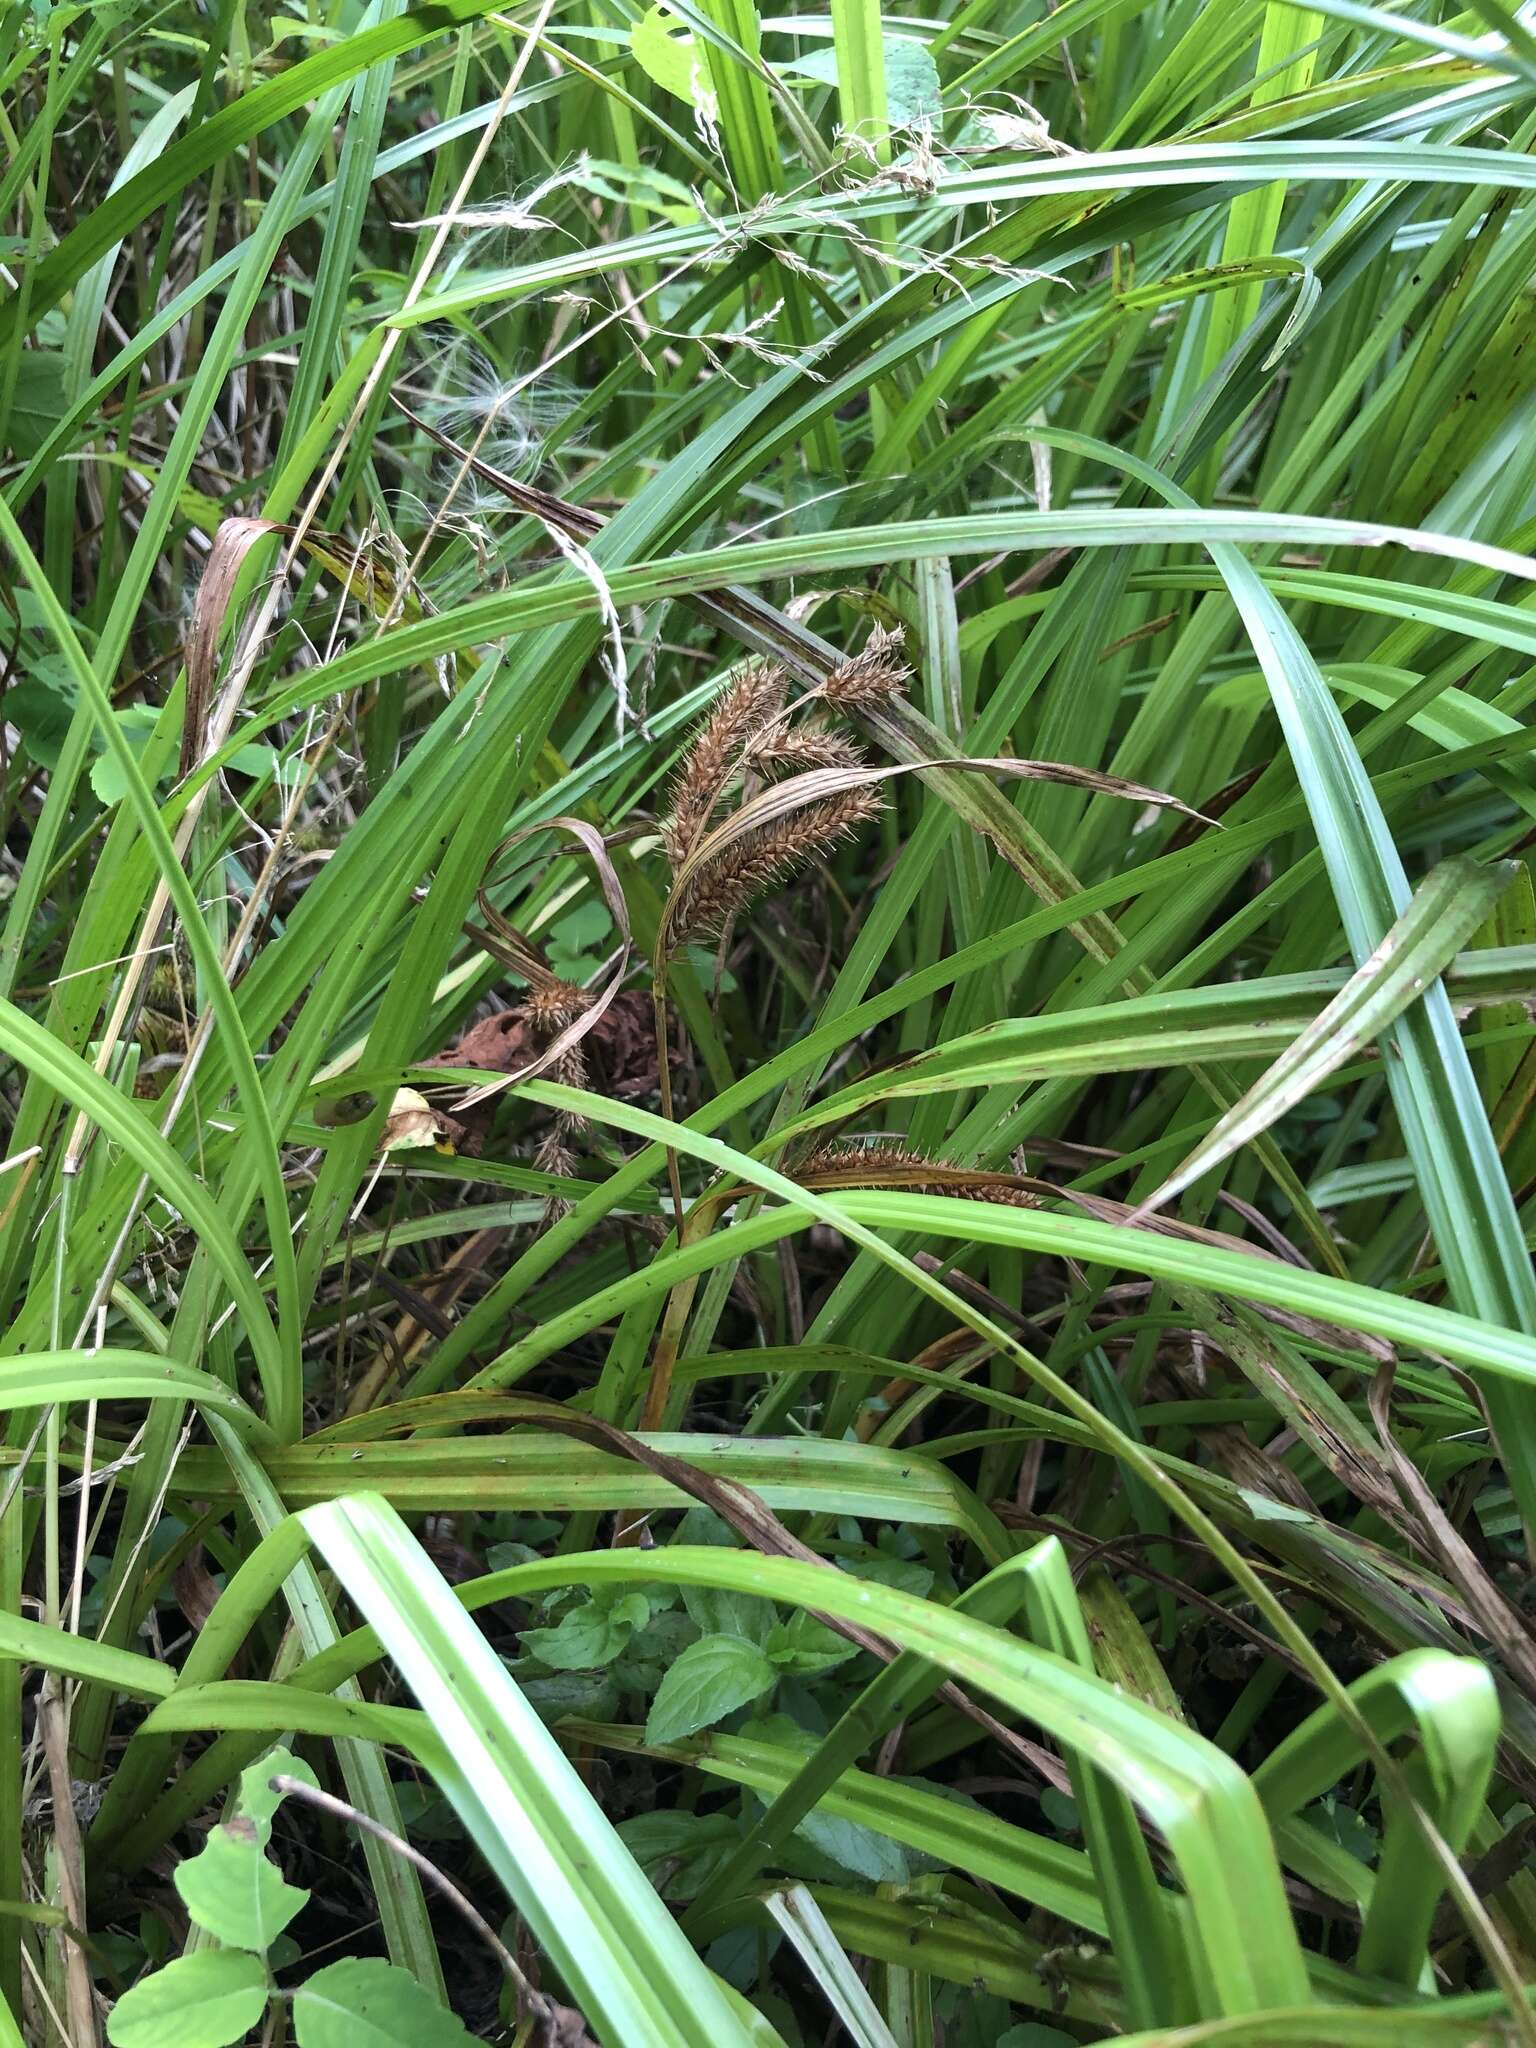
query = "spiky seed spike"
x=724 y=886
x=792 y=750
x=848 y=1155
x=876 y=1163
x=550 y=1005
x=744 y=708
x=871 y=677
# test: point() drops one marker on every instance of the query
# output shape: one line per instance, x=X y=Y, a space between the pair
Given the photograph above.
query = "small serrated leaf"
x=365 y=2002
x=207 y=2000
x=805 y=1646
x=855 y=1847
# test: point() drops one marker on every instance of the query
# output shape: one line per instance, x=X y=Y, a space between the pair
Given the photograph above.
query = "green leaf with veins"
x=257 y=1801
x=681 y=1853
x=711 y=1679
x=207 y=2000
x=234 y=1890
x=804 y=1646
x=591 y=1635
x=365 y=2002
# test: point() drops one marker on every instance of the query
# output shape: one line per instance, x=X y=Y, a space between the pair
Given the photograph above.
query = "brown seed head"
x=744 y=708
x=792 y=750
x=871 y=677
x=724 y=886
x=887 y=1163
x=550 y=1005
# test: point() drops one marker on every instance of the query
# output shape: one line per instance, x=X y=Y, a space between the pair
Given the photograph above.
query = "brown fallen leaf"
x=620 y=1047
x=413 y=1124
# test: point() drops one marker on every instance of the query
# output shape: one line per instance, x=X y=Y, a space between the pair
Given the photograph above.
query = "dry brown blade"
x=1305 y=1401
x=753 y=1520
x=1252 y=1467
x=196 y=1589
x=352 y=564
x=507 y=944
x=957 y=1354
x=231 y=544
x=1500 y=1622
x=1487 y=1876
x=53 y=1723
x=414 y=1331
x=592 y=840
x=1272 y=1234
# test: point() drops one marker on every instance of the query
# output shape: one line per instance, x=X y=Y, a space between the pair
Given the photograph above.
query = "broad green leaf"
x=860 y=1850
x=590 y=1635
x=711 y=1679
x=39 y=398
x=912 y=88
x=666 y=51
x=234 y=1890
x=804 y=1646
x=207 y=2000
x=137 y=723
x=364 y=2002
x=683 y=1853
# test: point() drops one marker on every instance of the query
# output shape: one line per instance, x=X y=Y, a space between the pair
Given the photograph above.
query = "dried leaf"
x=231 y=544
x=414 y=1125
x=553 y=1049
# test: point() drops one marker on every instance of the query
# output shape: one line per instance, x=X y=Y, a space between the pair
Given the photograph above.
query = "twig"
x=557 y=2020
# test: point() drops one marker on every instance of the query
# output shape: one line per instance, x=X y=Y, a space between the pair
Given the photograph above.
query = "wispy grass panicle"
x=506 y=414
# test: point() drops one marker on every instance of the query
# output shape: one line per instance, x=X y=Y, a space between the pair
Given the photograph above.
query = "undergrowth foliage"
x=766 y=1024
